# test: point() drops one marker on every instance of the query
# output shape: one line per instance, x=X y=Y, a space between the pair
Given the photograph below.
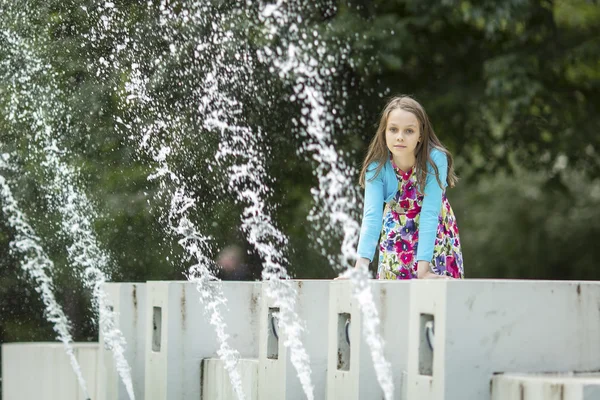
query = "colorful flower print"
x=410 y=190
x=400 y=235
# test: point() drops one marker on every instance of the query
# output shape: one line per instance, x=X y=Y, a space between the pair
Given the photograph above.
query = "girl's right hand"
x=359 y=262
x=362 y=262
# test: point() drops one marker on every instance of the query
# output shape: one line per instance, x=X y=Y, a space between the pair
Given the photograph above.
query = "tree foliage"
x=512 y=89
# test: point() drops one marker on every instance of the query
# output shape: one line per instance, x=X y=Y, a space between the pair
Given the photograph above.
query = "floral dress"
x=400 y=234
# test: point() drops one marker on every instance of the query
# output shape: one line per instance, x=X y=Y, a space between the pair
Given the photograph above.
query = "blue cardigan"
x=383 y=187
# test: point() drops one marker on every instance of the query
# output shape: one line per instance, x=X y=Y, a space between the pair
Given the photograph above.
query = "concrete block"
x=128 y=301
x=33 y=371
x=179 y=334
x=571 y=386
x=482 y=327
x=350 y=373
x=277 y=376
x=216 y=384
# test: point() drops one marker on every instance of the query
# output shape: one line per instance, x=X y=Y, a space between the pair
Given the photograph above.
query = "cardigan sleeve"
x=372 y=213
x=432 y=205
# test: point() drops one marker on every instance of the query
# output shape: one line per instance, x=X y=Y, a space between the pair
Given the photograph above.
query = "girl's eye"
x=392 y=129
x=409 y=131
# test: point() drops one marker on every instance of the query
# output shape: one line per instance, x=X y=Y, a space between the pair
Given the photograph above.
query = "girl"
x=408 y=169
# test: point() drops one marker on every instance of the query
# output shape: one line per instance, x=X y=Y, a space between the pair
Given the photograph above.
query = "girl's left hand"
x=424 y=272
x=431 y=275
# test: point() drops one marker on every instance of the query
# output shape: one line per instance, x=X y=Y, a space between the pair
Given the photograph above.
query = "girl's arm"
x=432 y=205
x=372 y=215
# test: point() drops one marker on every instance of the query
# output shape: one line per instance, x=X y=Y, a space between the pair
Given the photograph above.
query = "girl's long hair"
x=378 y=150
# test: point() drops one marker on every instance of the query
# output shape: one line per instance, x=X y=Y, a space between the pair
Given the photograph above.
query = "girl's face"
x=402 y=133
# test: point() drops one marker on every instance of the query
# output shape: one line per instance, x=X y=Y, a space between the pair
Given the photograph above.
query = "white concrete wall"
x=484 y=327
x=277 y=376
x=546 y=387
x=216 y=384
x=186 y=336
x=34 y=371
x=359 y=380
x=128 y=301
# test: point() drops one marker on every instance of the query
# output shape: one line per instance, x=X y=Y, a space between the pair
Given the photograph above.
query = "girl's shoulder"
x=437 y=155
x=374 y=166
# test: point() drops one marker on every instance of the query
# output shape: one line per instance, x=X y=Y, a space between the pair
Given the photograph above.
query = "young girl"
x=407 y=168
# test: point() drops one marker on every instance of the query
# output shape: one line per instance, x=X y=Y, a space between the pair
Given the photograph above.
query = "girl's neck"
x=405 y=163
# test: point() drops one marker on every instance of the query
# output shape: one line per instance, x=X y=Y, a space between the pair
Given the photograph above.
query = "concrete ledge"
x=483 y=327
x=216 y=384
x=33 y=371
x=277 y=376
x=564 y=386
x=350 y=371
x=128 y=301
x=445 y=340
x=179 y=334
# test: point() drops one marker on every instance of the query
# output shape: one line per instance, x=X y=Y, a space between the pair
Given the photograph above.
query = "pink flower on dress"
x=452 y=267
x=413 y=212
x=403 y=273
x=404 y=175
x=409 y=190
x=406 y=257
x=405 y=204
x=403 y=246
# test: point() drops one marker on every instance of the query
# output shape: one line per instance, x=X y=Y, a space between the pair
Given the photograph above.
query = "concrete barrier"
x=277 y=376
x=584 y=386
x=453 y=338
x=216 y=384
x=350 y=372
x=33 y=371
x=179 y=334
x=482 y=327
x=128 y=301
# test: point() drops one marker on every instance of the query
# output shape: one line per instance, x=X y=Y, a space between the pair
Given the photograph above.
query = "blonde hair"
x=378 y=150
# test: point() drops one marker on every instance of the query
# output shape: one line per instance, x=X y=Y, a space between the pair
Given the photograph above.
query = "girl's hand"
x=431 y=275
x=362 y=262
x=424 y=272
x=359 y=263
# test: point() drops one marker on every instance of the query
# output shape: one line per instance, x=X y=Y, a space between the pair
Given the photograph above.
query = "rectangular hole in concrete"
x=273 y=334
x=343 y=342
x=203 y=364
x=107 y=346
x=426 y=328
x=156 y=328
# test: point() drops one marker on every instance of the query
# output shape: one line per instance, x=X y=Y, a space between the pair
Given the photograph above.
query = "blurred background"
x=512 y=89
